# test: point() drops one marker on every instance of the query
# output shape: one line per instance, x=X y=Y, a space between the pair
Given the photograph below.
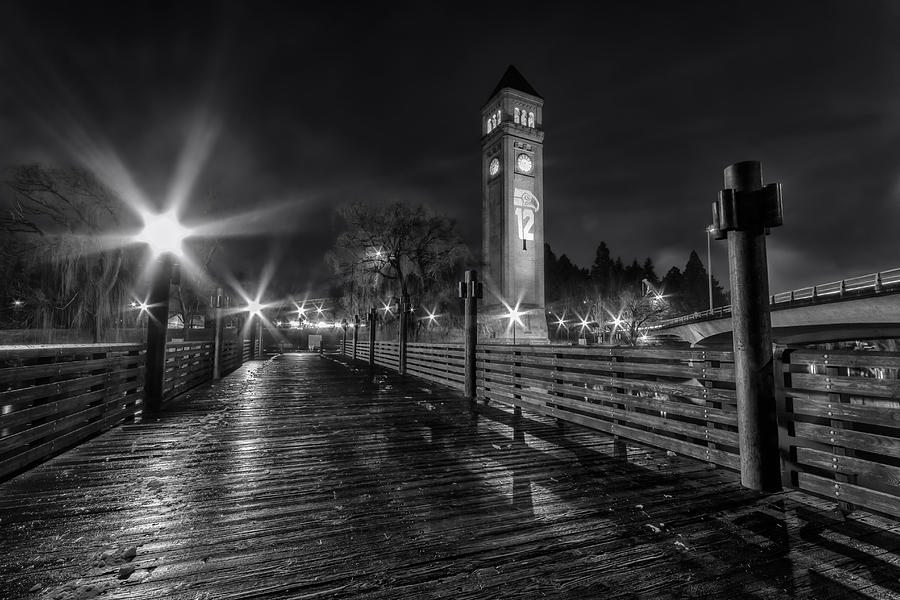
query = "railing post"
x=878 y=284
x=404 y=326
x=470 y=290
x=843 y=288
x=355 y=334
x=743 y=213
x=157 y=323
x=373 y=318
x=217 y=344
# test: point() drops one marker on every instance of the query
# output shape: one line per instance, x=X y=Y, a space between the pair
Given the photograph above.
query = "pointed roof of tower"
x=513 y=79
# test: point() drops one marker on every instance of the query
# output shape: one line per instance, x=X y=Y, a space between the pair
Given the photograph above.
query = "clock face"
x=523 y=161
x=494 y=167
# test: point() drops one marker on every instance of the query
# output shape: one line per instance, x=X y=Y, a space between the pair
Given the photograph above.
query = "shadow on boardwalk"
x=294 y=479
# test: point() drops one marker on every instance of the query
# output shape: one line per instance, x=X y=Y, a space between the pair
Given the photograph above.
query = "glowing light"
x=322 y=324
x=514 y=314
x=163 y=232
x=431 y=316
x=294 y=324
x=254 y=307
x=319 y=310
x=561 y=322
x=17 y=303
x=278 y=323
x=386 y=308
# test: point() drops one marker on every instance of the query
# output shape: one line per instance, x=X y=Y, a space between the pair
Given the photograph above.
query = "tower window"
x=516 y=116
x=531 y=119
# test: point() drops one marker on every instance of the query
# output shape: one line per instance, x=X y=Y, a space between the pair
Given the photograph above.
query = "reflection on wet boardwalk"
x=293 y=479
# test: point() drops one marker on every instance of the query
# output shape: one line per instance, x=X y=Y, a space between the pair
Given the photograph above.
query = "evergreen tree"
x=650 y=273
x=602 y=269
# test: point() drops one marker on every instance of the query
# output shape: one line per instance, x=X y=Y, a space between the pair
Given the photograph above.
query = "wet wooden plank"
x=294 y=478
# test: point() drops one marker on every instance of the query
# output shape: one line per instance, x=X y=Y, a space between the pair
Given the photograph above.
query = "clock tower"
x=512 y=191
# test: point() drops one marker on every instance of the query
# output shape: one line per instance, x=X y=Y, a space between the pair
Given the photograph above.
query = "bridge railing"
x=838 y=411
x=871 y=283
x=53 y=397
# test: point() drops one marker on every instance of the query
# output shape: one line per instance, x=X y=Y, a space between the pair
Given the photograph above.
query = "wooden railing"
x=440 y=363
x=675 y=399
x=56 y=396
x=840 y=417
x=231 y=356
x=187 y=365
x=838 y=411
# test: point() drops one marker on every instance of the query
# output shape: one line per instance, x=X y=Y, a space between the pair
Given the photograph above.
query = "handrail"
x=875 y=282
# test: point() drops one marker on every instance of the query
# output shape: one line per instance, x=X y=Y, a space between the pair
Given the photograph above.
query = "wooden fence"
x=838 y=411
x=53 y=397
x=840 y=425
x=56 y=396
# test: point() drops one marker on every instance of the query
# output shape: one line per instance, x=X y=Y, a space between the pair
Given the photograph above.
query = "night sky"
x=302 y=107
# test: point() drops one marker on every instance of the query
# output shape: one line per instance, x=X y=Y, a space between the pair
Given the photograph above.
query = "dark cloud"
x=312 y=107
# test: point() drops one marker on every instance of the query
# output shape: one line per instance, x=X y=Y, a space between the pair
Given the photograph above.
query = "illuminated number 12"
x=525 y=219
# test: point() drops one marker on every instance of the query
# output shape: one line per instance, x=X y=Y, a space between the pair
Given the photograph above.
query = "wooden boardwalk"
x=292 y=478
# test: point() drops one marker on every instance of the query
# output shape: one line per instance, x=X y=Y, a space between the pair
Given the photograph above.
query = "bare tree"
x=193 y=290
x=56 y=258
x=634 y=311
x=396 y=243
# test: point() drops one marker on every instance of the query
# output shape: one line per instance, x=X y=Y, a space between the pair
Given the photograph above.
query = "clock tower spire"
x=513 y=209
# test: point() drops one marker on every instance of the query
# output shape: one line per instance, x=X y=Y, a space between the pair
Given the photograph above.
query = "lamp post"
x=165 y=235
x=217 y=346
x=709 y=232
x=404 y=324
x=355 y=334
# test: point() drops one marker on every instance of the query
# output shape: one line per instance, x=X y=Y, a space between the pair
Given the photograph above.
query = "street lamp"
x=709 y=230
x=513 y=316
x=165 y=237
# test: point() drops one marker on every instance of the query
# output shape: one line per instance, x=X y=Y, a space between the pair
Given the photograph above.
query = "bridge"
x=863 y=307
x=300 y=477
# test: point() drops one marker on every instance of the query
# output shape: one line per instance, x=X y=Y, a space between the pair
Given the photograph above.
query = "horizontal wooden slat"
x=847 y=438
x=61 y=350
x=840 y=358
x=849 y=465
x=848 y=492
x=857 y=386
x=845 y=411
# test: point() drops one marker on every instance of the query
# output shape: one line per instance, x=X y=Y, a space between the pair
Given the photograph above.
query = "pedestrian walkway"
x=294 y=478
